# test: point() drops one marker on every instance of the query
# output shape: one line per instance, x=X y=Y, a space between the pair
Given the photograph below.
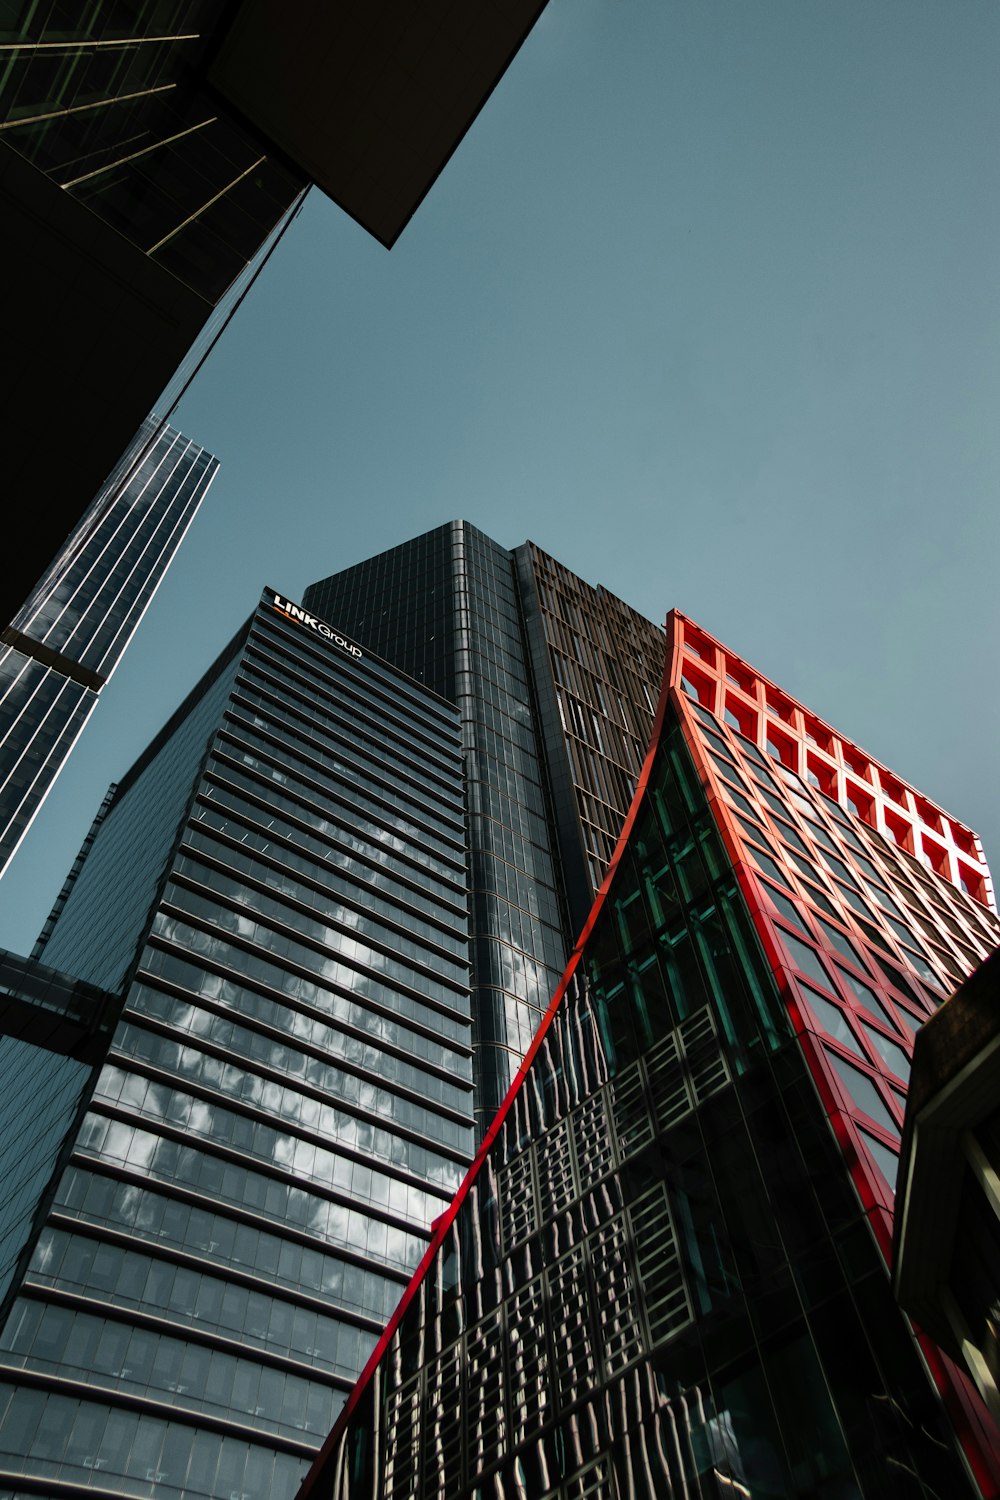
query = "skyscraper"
x=669 y=1264
x=64 y=643
x=666 y=1273
x=276 y=893
x=555 y=681
x=596 y=668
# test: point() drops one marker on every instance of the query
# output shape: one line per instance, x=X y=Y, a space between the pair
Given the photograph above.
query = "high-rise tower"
x=596 y=669
x=555 y=681
x=666 y=1273
x=64 y=643
x=276 y=893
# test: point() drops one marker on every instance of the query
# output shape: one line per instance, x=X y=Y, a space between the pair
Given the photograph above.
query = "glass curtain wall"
x=109 y=101
x=445 y=608
x=64 y=643
x=286 y=1105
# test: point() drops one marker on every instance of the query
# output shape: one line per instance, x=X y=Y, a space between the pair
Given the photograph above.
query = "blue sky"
x=708 y=305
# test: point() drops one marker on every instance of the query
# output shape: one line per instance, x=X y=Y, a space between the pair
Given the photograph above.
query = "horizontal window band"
x=223 y=1270
x=439 y=708
x=260 y=672
x=237 y=940
x=311 y=772
x=247 y=712
x=104 y=1395
x=315 y=881
x=258 y=986
x=214 y=776
x=190 y=1333
x=287 y=1080
x=393 y=925
x=182 y=1193
x=306 y=790
x=179 y=1136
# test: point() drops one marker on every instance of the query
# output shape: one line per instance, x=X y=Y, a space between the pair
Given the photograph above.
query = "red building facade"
x=667 y=1271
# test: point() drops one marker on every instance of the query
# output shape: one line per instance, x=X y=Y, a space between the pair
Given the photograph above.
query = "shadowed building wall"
x=147 y=152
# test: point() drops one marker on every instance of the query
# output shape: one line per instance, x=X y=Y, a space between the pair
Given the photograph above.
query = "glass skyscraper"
x=277 y=894
x=596 y=669
x=555 y=681
x=666 y=1274
x=329 y=899
x=445 y=609
x=63 y=644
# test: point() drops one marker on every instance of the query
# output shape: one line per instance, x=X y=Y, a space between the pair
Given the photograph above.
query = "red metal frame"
x=896 y=806
x=876 y=797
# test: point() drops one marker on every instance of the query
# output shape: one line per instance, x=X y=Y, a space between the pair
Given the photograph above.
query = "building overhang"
x=94 y=328
x=369 y=100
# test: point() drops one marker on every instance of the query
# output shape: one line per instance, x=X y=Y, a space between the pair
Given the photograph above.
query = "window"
x=807 y=959
x=898 y=829
x=857 y=764
x=816 y=734
x=863 y=1092
x=971 y=881
x=740 y=676
x=892 y=1055
x=884 y=1157
x=698 y=644
x=935 y=855
x=833 y=1021
x=821 y=776
x=860 y=803
x=779 y=706
x=788 y=910
x=781 y=747
x=742 y=718
x=698 y=686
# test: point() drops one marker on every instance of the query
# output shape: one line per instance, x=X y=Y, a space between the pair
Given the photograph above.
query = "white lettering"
x=296 y=612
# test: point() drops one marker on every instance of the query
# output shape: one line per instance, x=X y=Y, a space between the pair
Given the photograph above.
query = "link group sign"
x=302 y=616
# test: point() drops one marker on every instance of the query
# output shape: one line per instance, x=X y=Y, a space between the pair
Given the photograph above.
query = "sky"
x=707 y=304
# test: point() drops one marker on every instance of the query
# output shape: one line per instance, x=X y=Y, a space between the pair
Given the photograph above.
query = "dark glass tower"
x=62 y=646
x=666 y=1274
x=277 y=894
x=596 y=667
x=445 y=609
x=132 y=199
x=555 y=681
